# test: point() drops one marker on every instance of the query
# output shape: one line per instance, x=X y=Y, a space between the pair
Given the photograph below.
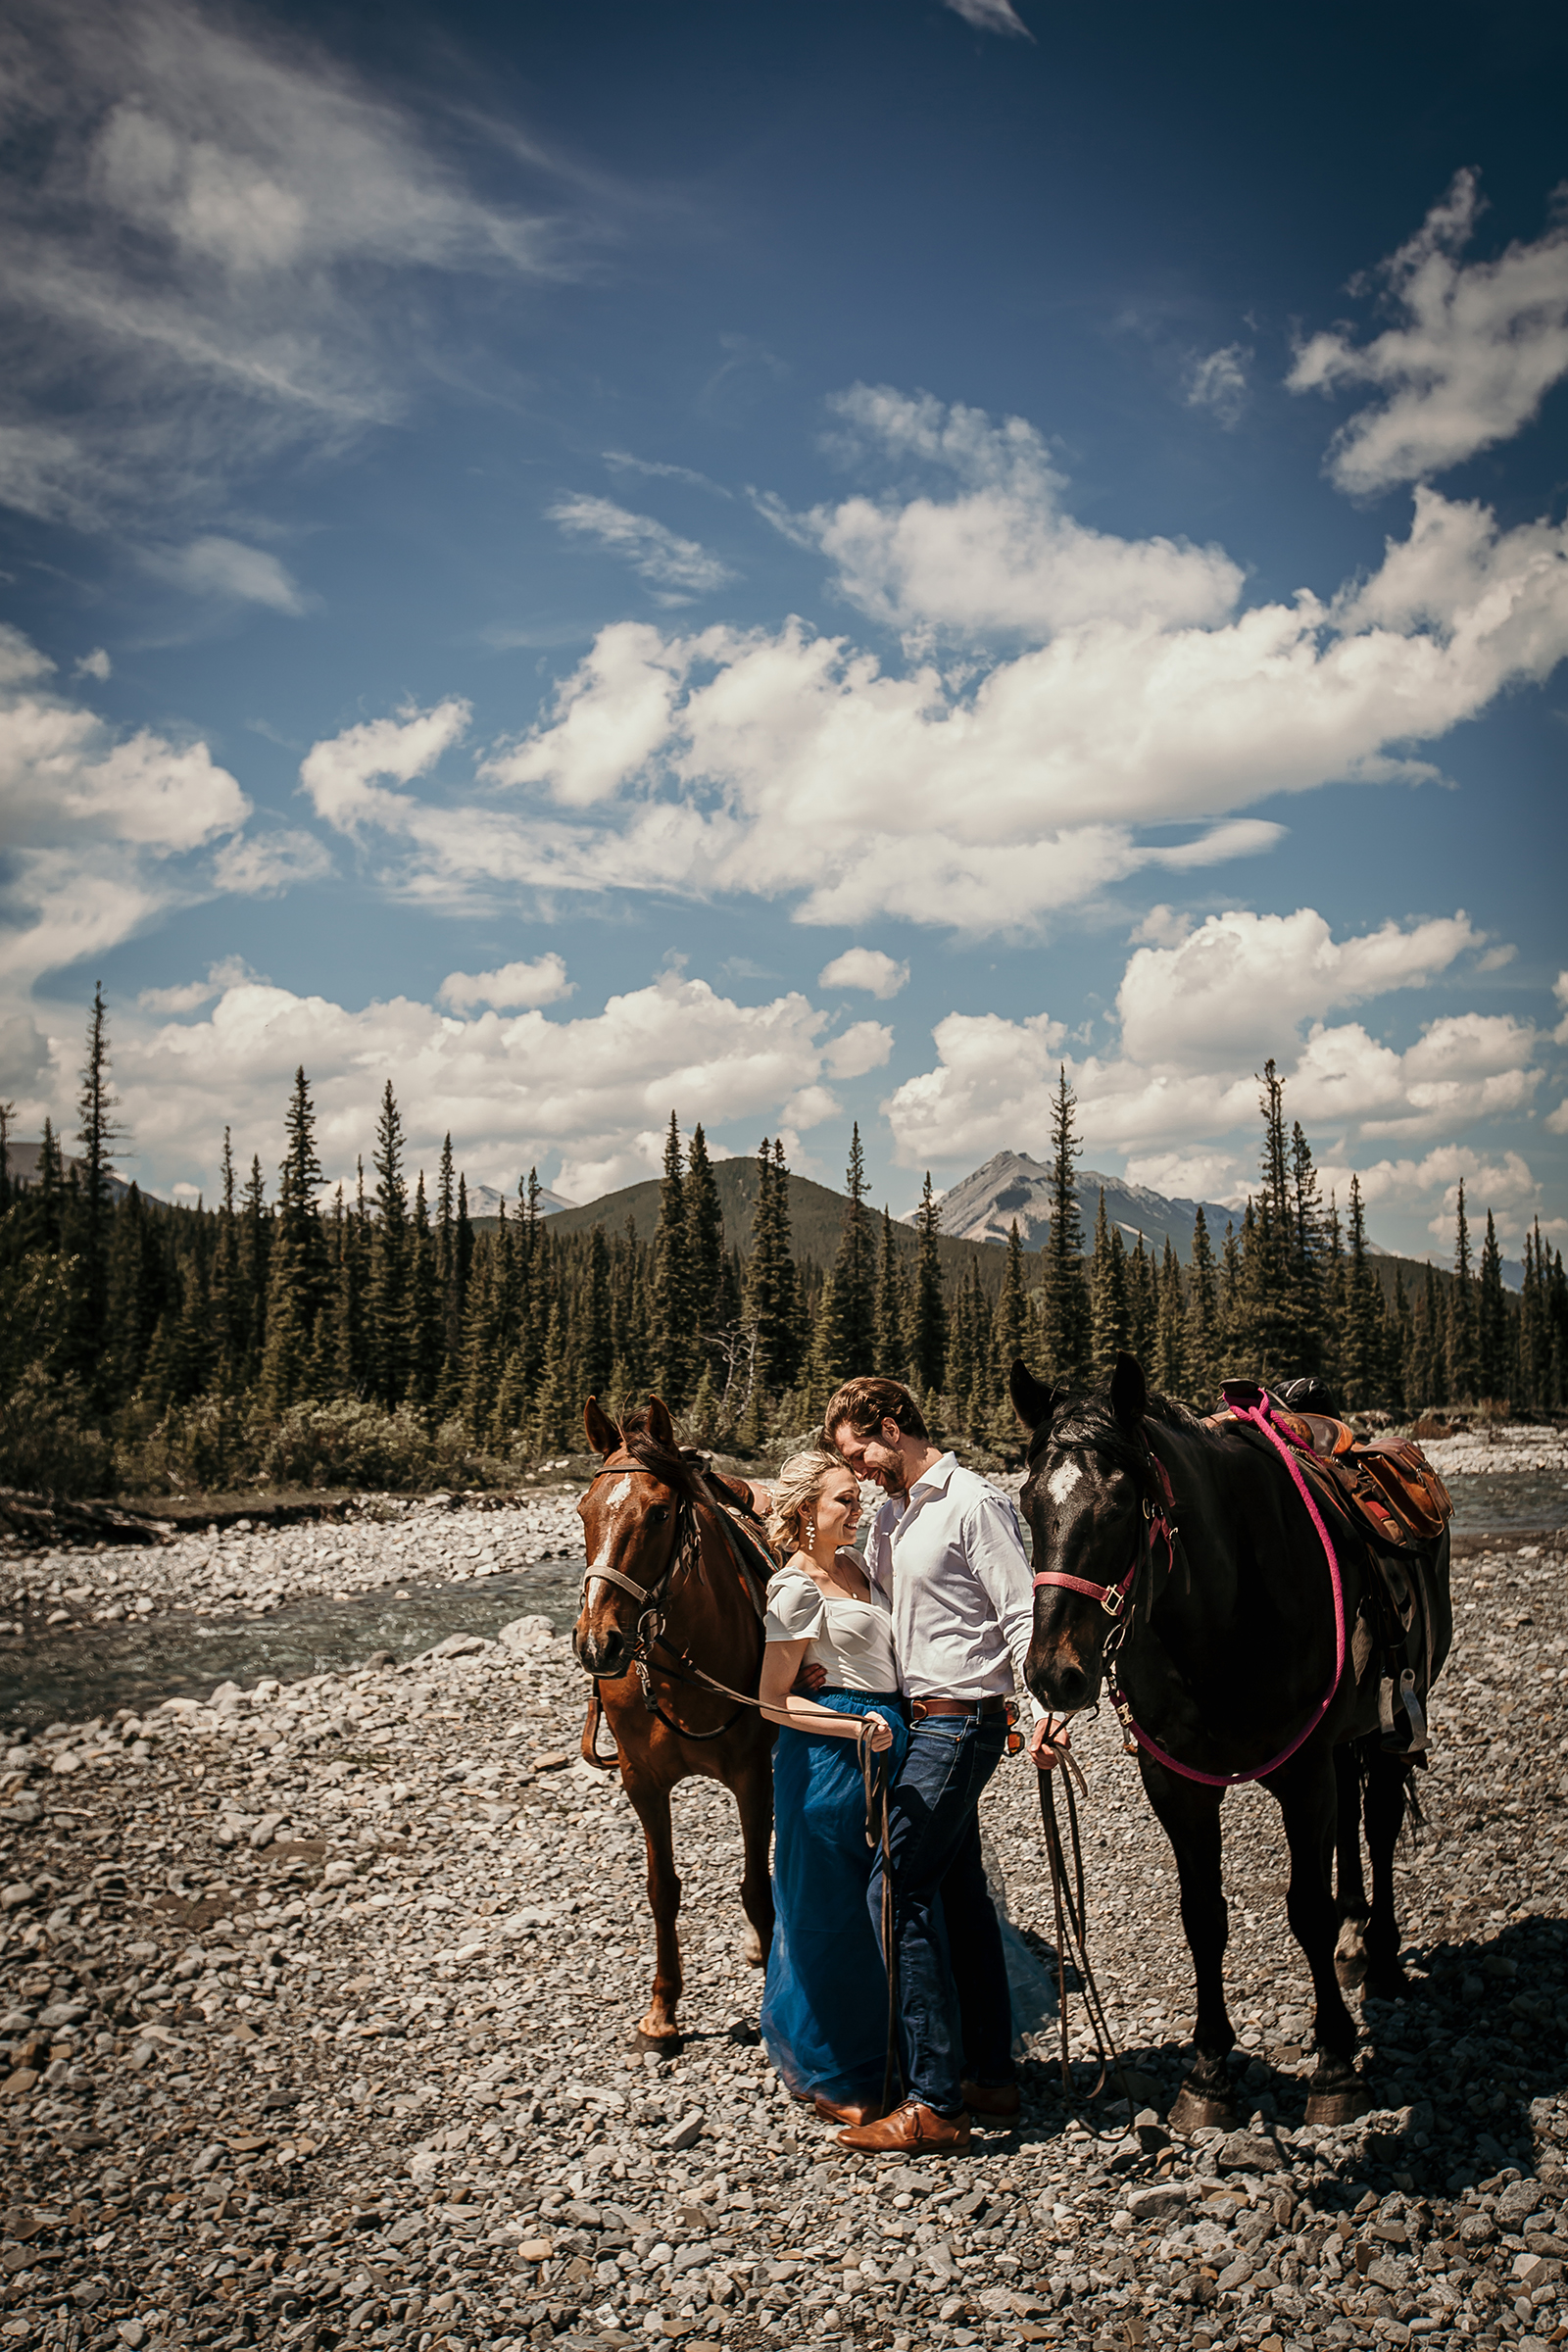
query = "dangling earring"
x=811 y=1535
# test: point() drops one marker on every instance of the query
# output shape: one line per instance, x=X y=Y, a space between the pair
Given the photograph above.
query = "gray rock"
x=1248 y=2152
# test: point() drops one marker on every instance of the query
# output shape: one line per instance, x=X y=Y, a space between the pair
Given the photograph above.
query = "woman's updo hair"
x=796 y=1488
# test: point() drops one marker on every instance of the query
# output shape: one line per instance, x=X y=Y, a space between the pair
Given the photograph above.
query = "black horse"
x=1224 y=1650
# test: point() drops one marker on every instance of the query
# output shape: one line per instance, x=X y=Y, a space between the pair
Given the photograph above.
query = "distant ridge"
x=1012 y=1184
x=484 y=1200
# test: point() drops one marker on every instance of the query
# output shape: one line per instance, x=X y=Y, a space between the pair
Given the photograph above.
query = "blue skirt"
x=826 y=2002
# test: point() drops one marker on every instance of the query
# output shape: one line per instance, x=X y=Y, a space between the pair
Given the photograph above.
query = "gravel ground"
x=247 y=1571
x=318 y=1999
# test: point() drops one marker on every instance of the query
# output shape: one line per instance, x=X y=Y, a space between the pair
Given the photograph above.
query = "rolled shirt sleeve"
x=993 y=1541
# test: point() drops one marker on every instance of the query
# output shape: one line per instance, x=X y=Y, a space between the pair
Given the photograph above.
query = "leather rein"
x=1159 y=1526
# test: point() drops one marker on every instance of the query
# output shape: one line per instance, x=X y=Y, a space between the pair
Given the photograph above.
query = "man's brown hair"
x=867 y=1402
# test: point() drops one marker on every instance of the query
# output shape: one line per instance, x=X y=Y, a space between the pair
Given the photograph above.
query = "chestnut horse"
x=1226 y=1651
x=673 y=1592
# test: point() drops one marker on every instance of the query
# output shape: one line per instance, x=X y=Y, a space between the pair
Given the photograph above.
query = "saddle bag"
x=1408 y=1486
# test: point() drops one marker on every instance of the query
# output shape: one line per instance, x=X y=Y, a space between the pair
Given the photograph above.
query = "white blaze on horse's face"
x=613 y=1502
x=1062 y=1480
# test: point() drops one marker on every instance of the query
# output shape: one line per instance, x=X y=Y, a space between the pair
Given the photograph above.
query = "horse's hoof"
x=664 y=2045
x=1343 y=2106
x=1192 y=2112
x=751 y=1951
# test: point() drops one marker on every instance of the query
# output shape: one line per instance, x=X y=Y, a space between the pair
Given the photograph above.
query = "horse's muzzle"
x=1063 y=1679
x=602 y=1651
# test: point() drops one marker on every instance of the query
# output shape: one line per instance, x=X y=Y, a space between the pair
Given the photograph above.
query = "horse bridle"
x=1159 y=1526
x=651 y=1616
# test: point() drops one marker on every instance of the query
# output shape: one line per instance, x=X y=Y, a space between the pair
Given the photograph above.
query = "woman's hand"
x=882 y=1736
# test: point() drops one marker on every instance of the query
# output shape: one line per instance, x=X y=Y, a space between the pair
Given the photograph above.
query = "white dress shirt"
x=950 y=1557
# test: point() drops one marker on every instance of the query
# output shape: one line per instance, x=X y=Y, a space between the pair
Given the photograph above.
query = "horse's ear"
x=603 y=1435
x=1032 y=1400
x=660 y=1428
x=1129 y=1392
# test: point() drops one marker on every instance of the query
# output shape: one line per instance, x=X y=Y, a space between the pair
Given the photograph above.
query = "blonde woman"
x=825 y=2003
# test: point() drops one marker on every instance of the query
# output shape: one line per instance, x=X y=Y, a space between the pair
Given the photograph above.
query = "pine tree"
x=1010 y=1322
x=1361 y=1348
x=1306 y=1248
x=427 y=1310
x=671 y=1336
x=928 y=1321
x=1170 y=1332
x=298 y=1272
x=769 y=1305
x=1461 y=1366
x=855 y=1333
x=891 y=1307
x=1267 y=1265
x=1201 y=1338
x=1396 y=1343
x=227 y=1323
x=823 y=1369
x=1107 y=1295
x=705 y=1249
x=595 y=1360
x=1143 y=1303
x=1492 y=1320
x=389 y=1305
x=254 y=1251
x=1233 y=1353
x=98 y=1133
x=1064 y=1316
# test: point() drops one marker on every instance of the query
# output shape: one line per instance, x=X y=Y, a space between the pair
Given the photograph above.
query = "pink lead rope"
x=1077 y=1584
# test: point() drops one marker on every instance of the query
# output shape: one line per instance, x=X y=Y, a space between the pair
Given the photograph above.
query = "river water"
x=93 y=1668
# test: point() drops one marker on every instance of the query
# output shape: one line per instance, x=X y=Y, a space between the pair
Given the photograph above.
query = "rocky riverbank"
x=248 y=1569
x=318 y=1999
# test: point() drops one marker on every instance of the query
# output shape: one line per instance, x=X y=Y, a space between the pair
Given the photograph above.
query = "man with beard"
x=947 y=1548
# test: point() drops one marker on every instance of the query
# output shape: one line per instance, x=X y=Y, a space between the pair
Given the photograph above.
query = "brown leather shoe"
x=918 y=2131
x=869 y=2112
x=997 y=2103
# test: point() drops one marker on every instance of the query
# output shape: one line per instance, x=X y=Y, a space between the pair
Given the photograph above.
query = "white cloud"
x=339 y=773
x=96 y=823
x=95 y=664
x=1557 y=1120
x=679 y=569
x=811 y=1105
x=865 y=968
x=228 y=569
x=213 y=235
x=990 y=16
x=863 y=1047
x=592 y=1093
x=1002 y=554
x=775 y=753
x=1220 y=989
x=260 y=865
x=1199 y=1018
x=1219 y=382
x=509 y=989
x=1190 y=1175
x=1559 y=989
x=1477 y=346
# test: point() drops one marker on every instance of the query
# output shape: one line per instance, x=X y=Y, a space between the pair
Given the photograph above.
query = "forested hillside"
x=285 y=1336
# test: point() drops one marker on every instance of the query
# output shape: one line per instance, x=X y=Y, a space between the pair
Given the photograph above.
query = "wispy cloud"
x=621 y=460
x=512 y=988
x=1477 y=346
x=209 y=230
x=678 y=568
x=213 y=566
x=1219 y=382
x=990 y=16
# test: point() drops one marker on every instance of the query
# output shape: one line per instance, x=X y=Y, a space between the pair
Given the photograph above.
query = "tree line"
x=381 y=1336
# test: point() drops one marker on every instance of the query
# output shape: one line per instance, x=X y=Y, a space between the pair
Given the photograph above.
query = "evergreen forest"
x=284 y=1337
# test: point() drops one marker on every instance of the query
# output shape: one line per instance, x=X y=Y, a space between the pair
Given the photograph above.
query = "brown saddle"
x=1391 y=1495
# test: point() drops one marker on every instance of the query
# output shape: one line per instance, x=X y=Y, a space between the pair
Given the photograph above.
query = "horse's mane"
x=1085 y=1417
x=683 y=1468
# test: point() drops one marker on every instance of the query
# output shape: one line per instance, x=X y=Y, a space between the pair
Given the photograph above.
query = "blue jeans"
x=952 y=1976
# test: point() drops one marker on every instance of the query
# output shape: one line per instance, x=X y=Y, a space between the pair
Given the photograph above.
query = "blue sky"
x=793 y=565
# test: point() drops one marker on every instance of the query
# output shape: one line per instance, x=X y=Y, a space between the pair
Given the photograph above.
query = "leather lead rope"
x=1072 y=1930
x=876 y=1779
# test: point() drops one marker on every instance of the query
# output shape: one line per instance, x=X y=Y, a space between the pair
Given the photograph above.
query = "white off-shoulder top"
x=852 y=1641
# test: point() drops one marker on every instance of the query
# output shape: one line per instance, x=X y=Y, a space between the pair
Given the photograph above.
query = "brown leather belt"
x=956 y=1706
